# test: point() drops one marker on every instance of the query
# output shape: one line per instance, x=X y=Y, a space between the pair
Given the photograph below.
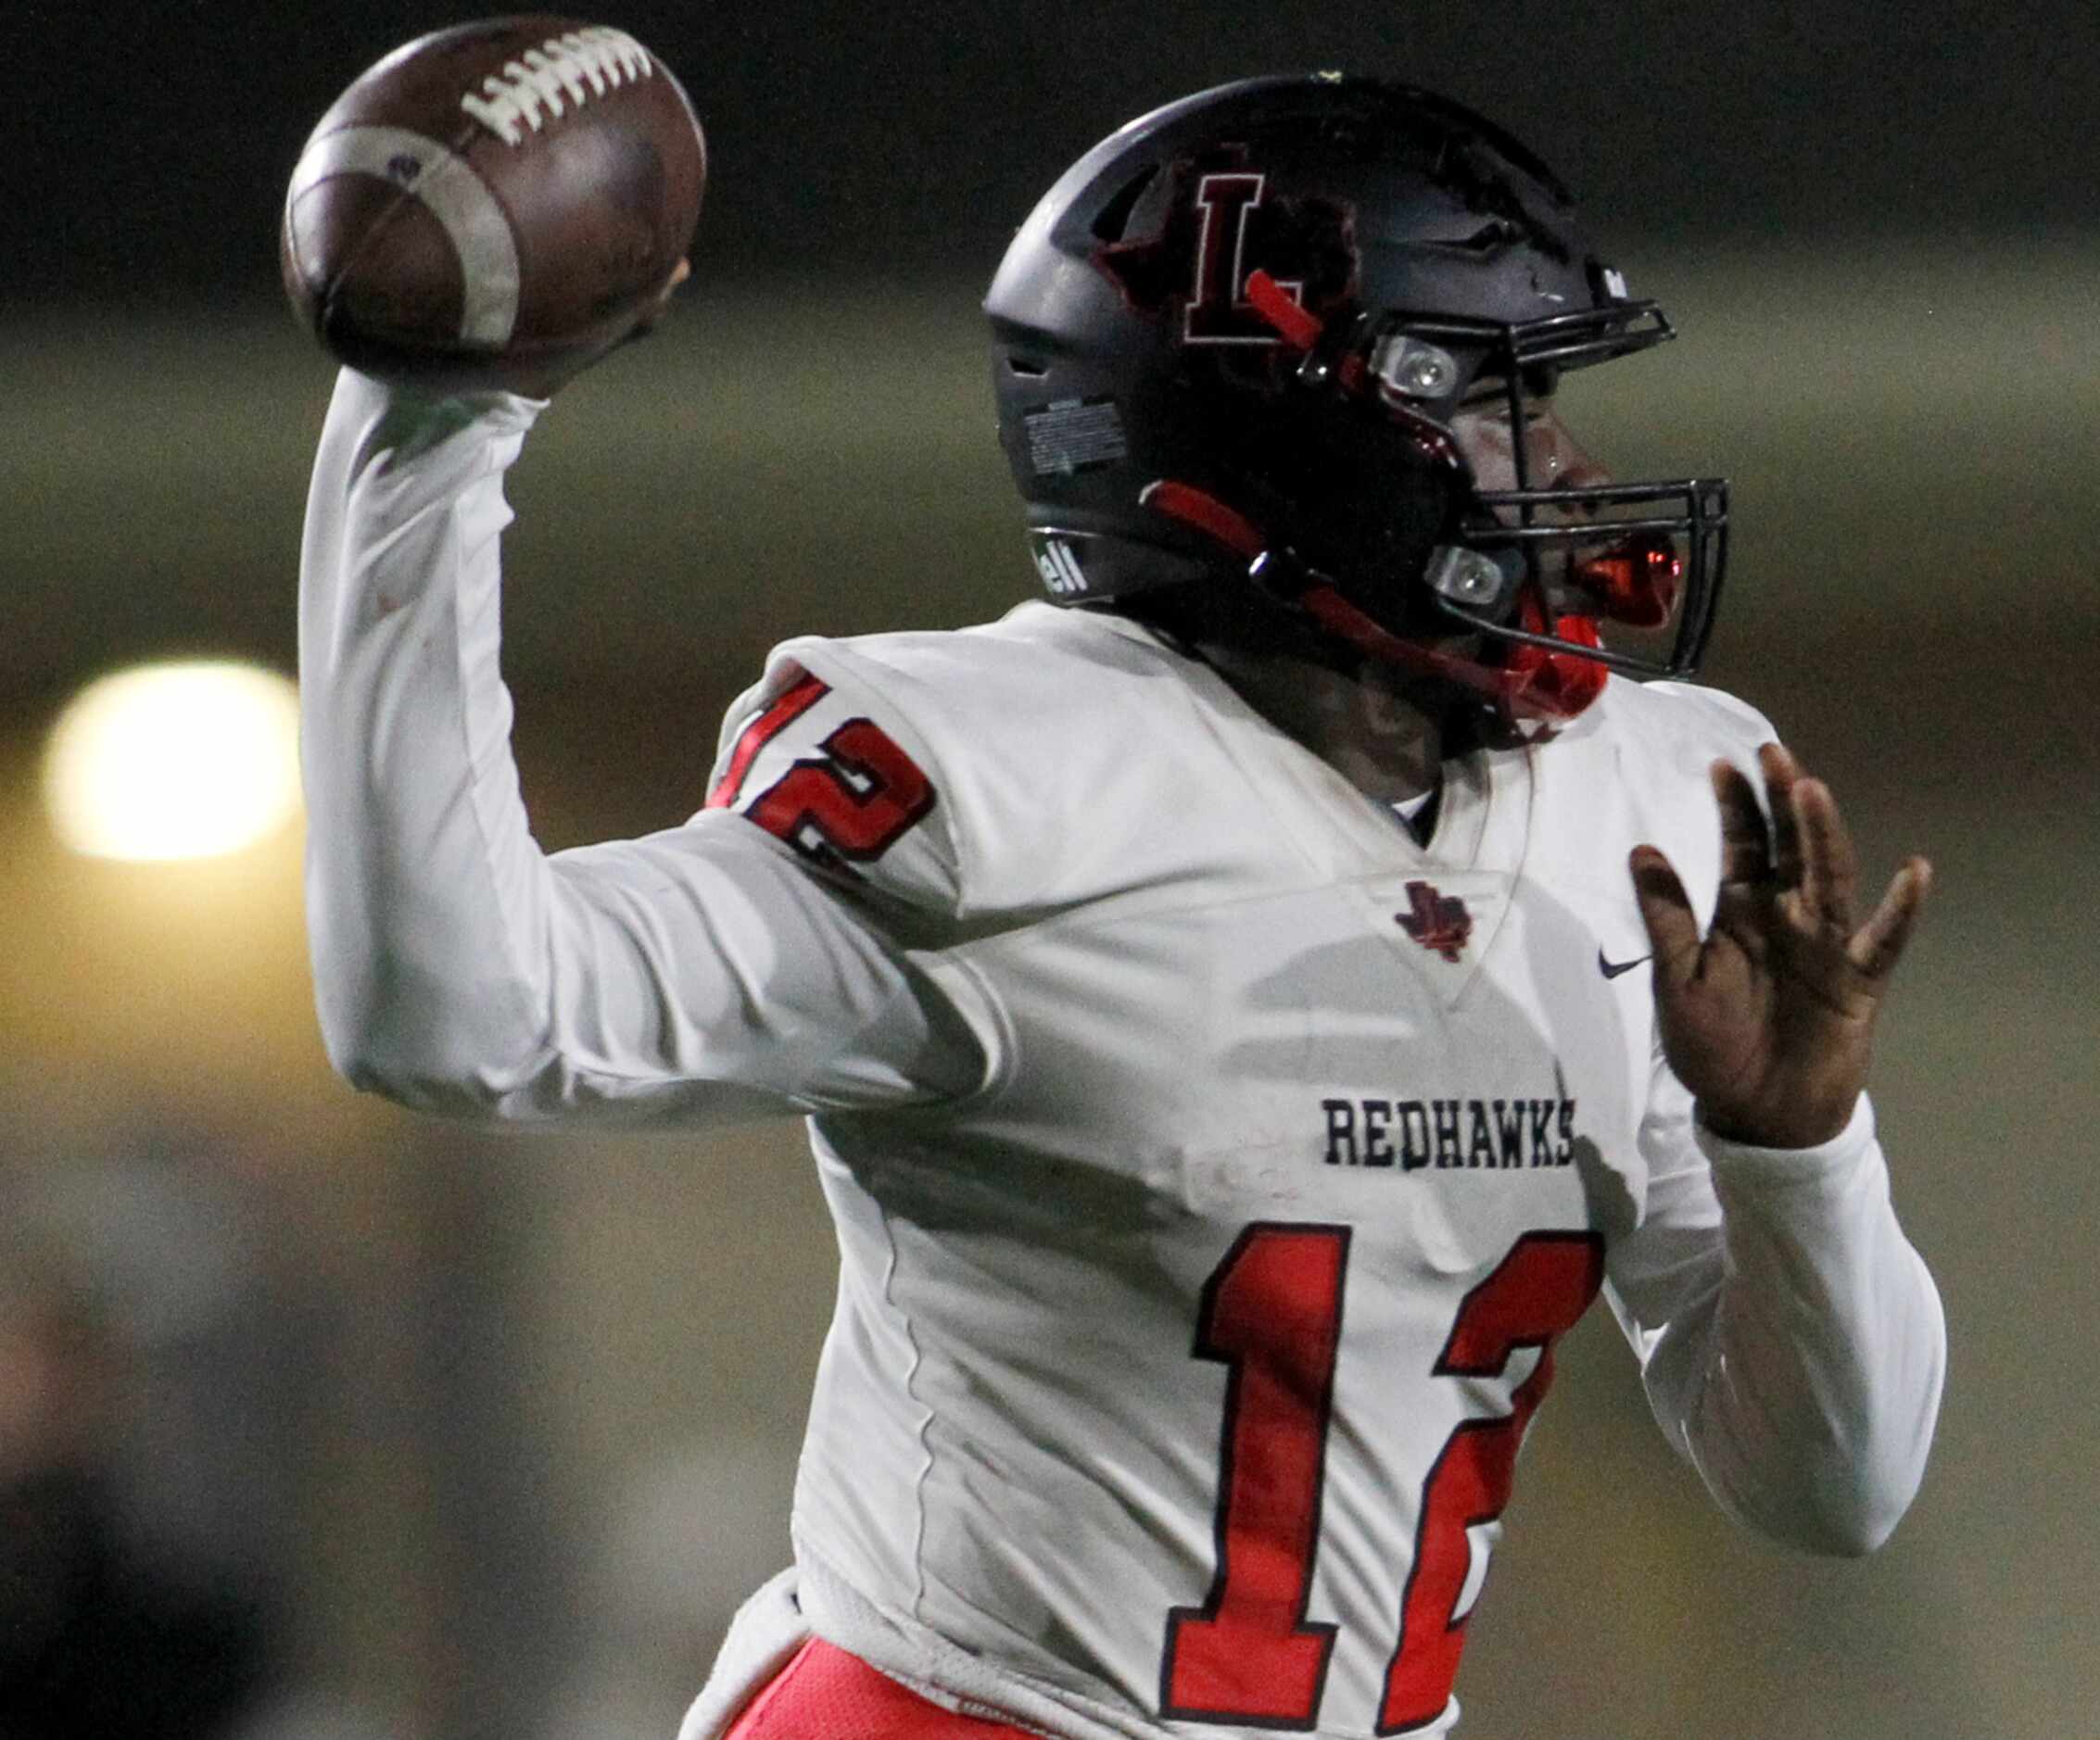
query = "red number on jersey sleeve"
x=1272 y=1313
x=854 y=799
x=781 y=712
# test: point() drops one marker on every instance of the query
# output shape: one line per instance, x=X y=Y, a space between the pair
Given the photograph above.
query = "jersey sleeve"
x=822 y=758
x=1791 y=1338
x=714 y=970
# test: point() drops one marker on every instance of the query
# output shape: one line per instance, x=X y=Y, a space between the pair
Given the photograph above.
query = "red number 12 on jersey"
x=1271 y=1312
x=854 y=799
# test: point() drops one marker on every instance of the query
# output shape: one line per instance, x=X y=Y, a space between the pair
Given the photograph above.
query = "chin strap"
x=1533 y=683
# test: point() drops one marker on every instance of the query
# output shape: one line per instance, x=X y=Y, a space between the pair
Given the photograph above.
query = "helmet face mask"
x=1626 y=552
x=1234 y=336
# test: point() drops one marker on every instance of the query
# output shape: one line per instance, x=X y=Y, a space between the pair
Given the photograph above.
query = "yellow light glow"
x=193 y=760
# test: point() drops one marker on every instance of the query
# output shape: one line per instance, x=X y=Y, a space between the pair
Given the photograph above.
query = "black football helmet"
x=1228 y=345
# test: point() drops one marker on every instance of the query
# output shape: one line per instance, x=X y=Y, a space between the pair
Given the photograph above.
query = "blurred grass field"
x=1911 y=438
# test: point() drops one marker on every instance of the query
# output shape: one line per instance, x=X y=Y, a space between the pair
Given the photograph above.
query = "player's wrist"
x=1821 y=1134
x=1764 y=1130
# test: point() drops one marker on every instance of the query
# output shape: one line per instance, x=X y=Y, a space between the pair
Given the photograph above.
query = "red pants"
x=824 y=1694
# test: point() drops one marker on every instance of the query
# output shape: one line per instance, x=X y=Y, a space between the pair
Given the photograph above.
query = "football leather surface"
x=492 y=201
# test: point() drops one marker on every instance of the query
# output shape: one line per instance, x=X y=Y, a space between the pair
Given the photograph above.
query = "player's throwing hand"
x=1769 y=1018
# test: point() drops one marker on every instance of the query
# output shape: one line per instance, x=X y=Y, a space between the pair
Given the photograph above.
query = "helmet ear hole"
x=1348 y=490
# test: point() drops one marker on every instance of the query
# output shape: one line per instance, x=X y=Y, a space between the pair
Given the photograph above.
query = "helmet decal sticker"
x=1069 y=434
x=1213 y=315
x=1221 y=224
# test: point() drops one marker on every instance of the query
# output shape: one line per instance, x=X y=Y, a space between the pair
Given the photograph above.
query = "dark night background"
x=872 y=141
x=489 y=1436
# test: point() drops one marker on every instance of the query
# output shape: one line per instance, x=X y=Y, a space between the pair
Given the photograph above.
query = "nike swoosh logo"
x=1612 y=969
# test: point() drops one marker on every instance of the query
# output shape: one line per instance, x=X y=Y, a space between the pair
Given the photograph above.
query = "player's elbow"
x=434 y=1048
x=1861 y=1481
x=1837 y=1500
x=456 y=1095
x=1848 y=1524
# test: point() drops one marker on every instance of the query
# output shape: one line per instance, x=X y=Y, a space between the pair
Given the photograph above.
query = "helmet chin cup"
x=1560 y=678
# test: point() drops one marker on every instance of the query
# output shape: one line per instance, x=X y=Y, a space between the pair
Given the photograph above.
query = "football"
x=493 y=203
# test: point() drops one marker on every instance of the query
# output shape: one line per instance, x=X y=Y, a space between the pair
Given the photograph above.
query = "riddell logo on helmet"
x=1060 y=568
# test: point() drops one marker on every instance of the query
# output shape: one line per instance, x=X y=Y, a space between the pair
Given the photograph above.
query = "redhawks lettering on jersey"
x=1497 y=1135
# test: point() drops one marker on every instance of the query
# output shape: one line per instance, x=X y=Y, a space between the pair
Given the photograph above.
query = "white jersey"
x=1214 y=1166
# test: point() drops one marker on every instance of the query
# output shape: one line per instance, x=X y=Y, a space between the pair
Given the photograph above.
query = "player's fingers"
x=1666 y=912
x=1879 y=943
x=1782 y=773
x=1829 y=880
x=1746 y=844
x=1743 y=914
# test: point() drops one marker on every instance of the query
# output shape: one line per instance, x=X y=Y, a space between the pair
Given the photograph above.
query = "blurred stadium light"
x=191 y=760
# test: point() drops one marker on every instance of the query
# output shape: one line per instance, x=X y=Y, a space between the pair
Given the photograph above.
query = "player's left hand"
x=1769 y=1018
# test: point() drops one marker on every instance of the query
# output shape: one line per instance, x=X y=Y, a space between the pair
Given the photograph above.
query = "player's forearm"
x=1815 y=1367
x=426 y=895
